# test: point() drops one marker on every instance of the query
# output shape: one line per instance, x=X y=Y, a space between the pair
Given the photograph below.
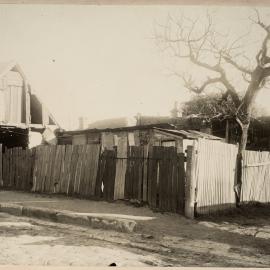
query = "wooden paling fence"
x=67 y=169
x=256 y=177
x=155 y=175
x=1 y=166
x=17 y=168
x=134 y=173
x=121 y=167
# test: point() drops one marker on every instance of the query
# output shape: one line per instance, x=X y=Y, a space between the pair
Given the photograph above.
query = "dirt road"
x=241 y=239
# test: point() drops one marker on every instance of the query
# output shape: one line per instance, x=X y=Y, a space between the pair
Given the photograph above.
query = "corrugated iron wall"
x=256 y=177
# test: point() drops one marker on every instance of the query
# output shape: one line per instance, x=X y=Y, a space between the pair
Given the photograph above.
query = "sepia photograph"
x=134 y=134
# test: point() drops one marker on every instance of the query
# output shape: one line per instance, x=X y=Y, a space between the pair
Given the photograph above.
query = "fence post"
x=238 y=182
x=190 y=183
x=1 y=167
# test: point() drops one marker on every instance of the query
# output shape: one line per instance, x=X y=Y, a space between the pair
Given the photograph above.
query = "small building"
x=147 y=135
x=21 y=111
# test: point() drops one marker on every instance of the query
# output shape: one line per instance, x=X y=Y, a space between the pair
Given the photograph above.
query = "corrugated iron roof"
x=132 y=128
x=188 y=134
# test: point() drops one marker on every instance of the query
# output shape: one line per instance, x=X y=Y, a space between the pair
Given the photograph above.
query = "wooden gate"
x=106 y=175
x=159 y=174
x=134 y=173
x=166 y=179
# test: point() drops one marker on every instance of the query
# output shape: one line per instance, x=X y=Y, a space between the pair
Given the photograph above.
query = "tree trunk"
x=241 y=148
x=244 y=137
x=243 y=118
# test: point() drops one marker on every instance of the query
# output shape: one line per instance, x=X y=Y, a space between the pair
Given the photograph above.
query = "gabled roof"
x=5 y=67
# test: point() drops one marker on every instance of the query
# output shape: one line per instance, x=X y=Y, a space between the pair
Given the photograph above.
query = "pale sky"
x=99 y=61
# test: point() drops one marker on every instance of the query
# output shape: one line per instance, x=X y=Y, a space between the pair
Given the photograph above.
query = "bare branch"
x=198 y=90
x=196 y=61
x=206 y=48
x=231 y=90
x=233 y=45
x=261 y=56
x=259 y=22
x=229 y=60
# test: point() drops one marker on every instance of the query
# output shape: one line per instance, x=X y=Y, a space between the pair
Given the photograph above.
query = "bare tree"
x=198 y=42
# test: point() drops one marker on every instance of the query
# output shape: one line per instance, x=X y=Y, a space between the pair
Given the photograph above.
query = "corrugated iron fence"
x=155 y=175
x=211 y=178
x=214 y=176
x=256 y=177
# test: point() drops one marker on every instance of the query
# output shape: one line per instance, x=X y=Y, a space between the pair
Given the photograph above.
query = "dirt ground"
x=241 y=239
x=25 y=241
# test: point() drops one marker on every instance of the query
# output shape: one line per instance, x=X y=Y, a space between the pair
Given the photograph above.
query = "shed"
x=21 y=110
x=162 y=135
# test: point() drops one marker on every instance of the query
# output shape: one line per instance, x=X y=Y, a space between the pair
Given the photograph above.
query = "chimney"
x=174 y=111
x=81 y=122
x=138 y=119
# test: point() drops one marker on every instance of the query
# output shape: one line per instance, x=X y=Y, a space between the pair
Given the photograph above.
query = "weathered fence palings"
x=134 y=173
x=166 y=179
x=121 y=166
x=105 y=187
x=66 y=169
x=16 y=166
x=115 y=174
